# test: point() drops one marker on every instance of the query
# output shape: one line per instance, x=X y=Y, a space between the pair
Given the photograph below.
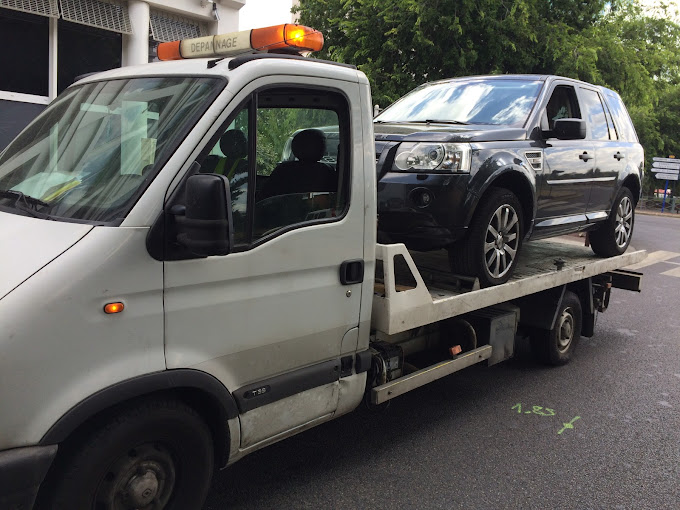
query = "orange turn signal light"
x=114 y=307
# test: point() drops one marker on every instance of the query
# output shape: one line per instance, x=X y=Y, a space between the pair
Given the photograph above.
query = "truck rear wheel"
x=155 y=455
x=557 y=346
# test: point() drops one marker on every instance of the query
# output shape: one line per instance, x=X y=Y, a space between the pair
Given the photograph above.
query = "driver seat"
x=307 y=174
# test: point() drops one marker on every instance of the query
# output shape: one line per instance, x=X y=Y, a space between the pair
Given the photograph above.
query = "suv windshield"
x=93 y=151
x=493 y=101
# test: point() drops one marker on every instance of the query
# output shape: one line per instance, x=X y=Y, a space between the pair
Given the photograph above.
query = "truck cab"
x=109 y=202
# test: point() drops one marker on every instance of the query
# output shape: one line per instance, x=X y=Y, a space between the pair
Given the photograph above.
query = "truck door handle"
x=351 y=272
x=585 y=156
x=619 y=156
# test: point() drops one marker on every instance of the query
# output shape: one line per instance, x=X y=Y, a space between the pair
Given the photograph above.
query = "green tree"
x=400 y=44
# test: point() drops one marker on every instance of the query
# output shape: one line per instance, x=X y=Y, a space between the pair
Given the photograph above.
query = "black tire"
x=480 y=253
x=613 y=236
x=557 y=346
x=158 y=450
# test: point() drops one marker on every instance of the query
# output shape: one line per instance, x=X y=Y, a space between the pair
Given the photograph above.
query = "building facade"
x=48 y=43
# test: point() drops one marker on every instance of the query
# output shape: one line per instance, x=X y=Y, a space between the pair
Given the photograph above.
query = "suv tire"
x=494 y=238
x=155 y=454
x=613 y=236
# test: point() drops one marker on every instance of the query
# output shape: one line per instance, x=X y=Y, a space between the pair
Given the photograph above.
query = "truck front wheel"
x=157 y=454
x=556 y=346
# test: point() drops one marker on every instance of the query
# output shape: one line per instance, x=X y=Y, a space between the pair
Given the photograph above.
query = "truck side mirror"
x=206 y=228
x=570 y=129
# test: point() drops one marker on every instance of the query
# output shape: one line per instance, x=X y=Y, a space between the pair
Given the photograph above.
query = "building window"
x=29 y=34
x=85 y=50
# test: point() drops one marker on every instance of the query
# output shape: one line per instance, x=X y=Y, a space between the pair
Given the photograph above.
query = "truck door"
x=567 y=169
x=269 y=318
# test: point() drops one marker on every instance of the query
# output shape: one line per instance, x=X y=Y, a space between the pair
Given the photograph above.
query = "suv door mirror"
x=206 y=228
x=570 y=129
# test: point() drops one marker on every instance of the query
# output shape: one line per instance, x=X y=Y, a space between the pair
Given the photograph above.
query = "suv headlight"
x=433 y=157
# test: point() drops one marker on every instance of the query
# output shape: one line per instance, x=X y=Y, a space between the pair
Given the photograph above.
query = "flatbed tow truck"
x=163 y=314
x=531 y=302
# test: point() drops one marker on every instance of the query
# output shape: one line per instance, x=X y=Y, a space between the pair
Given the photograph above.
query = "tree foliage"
x=400 y=44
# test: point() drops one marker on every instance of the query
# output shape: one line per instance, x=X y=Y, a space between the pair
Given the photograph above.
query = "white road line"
x=673 y=272
x=654 y=257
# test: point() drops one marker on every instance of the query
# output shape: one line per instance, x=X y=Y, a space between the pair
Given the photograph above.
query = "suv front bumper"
x=22 y=470
x=423 y=211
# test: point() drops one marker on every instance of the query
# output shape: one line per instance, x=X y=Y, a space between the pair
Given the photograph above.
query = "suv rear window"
x=624 y=125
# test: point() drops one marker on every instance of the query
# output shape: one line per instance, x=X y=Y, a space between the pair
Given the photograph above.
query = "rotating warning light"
x=285 y=38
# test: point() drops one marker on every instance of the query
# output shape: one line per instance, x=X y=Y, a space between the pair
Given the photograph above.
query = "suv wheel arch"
x=515 y=180
x=632 y=182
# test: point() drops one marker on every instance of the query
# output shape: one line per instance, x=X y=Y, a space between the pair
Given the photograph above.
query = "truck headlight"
x=433 y=157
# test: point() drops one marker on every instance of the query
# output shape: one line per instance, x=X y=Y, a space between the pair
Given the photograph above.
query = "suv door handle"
x=351 y=272
x=619 y=156
x=585 y=156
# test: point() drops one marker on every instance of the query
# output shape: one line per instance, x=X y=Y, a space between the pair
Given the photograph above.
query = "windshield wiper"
x=437 y=121
x=26 y=203
x=428 y=121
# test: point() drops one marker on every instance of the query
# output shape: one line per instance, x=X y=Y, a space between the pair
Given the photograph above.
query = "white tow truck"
x=175 y=295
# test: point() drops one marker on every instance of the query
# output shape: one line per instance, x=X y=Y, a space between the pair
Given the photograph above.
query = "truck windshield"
x=93 y=151
x=506 y=102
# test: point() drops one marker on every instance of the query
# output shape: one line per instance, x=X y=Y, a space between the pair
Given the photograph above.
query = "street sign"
x=665 y=171
x=667 y=177
x=659 y=164
x=666 y=160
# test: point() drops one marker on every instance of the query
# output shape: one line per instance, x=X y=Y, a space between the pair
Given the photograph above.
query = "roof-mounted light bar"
x=285 y=38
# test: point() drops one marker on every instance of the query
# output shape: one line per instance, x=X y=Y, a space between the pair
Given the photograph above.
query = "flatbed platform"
x=542 y=265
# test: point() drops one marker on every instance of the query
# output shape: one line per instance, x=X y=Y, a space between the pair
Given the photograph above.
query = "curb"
x=655 y=213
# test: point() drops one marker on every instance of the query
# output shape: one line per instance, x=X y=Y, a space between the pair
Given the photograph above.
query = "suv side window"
x=299 y=174
x=596 y=117
x=563 y=104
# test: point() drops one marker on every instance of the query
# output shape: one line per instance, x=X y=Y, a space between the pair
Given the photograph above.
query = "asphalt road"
x=464 y=441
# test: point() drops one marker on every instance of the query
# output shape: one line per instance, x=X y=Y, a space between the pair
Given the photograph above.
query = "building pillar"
x=136 y=45
x=52 y=59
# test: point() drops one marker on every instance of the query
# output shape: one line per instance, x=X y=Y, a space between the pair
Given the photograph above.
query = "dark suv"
x=477 y=165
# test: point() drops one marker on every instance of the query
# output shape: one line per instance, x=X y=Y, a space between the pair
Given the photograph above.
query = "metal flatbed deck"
x=398 y=307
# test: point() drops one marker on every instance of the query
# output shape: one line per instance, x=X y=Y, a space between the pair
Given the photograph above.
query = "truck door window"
x=596 y=117
x=229 y=157
x=297 y=176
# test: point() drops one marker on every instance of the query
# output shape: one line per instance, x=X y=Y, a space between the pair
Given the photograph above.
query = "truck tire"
x=156 y=454
x=495 y=235
x=613 y=236
x=557 y=346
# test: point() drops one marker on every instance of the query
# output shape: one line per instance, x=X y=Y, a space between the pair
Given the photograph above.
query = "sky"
x=264 y=13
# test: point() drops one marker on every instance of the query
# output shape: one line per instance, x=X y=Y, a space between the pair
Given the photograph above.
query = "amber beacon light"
x=287 y=38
